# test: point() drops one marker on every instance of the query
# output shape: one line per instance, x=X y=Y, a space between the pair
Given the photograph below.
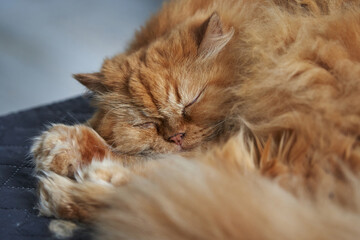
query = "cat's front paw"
x=53 y=191
x=62 y=149
x=104 y=172
x=65 y=198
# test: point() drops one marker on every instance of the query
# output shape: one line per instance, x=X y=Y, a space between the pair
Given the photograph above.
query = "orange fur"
x=260 y=99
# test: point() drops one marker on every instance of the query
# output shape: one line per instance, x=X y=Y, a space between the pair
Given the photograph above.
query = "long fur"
x=213 y=198
x=207 y=204
x=268 y=94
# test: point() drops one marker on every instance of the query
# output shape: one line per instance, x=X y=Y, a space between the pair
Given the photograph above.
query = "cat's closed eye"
x=195 y=99
x=146 y=125
x=192 y=102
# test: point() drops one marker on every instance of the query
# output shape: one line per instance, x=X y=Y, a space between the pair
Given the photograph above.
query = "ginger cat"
x=224 y=119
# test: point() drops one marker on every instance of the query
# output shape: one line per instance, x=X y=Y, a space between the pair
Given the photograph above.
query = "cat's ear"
x=214 y=39
x=93 y=81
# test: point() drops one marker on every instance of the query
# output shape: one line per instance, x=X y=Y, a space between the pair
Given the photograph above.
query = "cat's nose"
x=177 y=138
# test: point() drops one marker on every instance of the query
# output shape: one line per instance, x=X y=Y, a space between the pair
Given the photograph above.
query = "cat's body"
x=260 y=98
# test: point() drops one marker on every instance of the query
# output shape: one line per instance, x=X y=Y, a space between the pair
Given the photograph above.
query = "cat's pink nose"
x=177 y=138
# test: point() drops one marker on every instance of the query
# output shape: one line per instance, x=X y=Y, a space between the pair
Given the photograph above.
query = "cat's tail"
x=183 y=199
x=190 y=200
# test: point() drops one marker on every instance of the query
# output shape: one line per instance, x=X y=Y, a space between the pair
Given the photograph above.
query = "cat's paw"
x=62 y=149
x=64 y=198
x=81 y=198
x=104 y=172
x=52 y=191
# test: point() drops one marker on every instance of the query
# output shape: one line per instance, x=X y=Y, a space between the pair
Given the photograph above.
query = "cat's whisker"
x=73 y=117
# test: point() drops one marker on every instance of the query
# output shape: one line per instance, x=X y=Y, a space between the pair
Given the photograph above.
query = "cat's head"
x=172 y=95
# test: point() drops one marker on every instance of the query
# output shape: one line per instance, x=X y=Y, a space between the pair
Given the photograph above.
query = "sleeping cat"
x=224 y=119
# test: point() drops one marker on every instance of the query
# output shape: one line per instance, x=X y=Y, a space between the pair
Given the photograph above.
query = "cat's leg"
x=82 y=197
x=62 y=149
x=64 y=198
x=76 y=168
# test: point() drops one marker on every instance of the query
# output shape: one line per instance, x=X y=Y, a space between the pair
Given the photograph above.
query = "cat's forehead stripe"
x=176 y=90
x=151 y=97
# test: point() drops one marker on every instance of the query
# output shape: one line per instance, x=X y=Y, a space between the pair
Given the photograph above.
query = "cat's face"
x=165 y=97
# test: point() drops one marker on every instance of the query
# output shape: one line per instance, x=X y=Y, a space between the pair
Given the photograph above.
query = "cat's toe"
x=55 y=150
x=104 y=172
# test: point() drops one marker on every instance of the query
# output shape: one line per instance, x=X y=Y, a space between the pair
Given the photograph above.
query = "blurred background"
x=43 y=42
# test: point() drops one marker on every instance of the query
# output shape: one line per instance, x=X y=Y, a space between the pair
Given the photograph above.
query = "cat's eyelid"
x=197 y=98
x=146 y=125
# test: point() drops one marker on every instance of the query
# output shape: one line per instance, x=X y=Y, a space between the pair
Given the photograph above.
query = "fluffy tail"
x=176 y=198
x=188 y=200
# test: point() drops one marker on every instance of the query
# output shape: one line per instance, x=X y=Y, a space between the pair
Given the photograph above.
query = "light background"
x=43 y=42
